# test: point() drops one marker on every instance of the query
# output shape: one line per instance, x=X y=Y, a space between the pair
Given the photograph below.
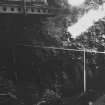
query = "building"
x=24 y=6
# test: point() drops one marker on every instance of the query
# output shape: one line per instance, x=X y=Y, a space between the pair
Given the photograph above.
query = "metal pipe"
x=66 y=49
x=84 y=71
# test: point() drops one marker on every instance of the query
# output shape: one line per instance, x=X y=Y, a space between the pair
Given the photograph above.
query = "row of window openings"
x=20 y=9
x=37 y=10
x=12 y=9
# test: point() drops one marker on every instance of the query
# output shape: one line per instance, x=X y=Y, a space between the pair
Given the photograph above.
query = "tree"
x=55 y=28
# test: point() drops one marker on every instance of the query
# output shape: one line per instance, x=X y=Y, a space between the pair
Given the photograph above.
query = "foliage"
x=58 y=4
x=56 y=26
x=94 y=38
x=54 y=63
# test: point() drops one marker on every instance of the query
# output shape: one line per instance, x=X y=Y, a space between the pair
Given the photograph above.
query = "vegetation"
x=58 y=69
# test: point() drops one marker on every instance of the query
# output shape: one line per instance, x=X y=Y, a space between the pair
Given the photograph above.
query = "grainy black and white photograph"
x=52 y=52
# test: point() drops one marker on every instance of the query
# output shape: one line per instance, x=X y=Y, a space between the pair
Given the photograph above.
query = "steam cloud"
x=86 y=21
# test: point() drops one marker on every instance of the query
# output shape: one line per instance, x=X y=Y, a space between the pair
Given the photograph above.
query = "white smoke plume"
x=76 y=3
x=86 y=21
